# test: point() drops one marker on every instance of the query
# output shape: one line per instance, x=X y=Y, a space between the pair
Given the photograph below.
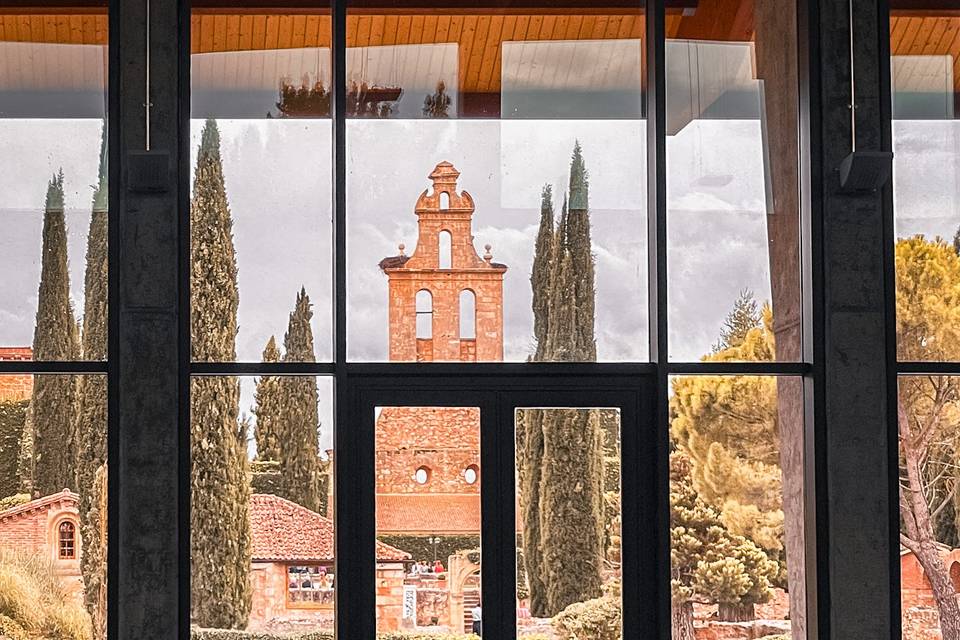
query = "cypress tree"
x=299 y=455
x=530 y=422
x=13 y=417
x=91 y=451
x=25 y=457
x=268 y=409
x=563 y=510
x=54 y=338
x=541 y=273
x=220 y=543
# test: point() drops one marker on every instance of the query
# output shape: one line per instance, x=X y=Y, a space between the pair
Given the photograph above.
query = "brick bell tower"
x=445 y=301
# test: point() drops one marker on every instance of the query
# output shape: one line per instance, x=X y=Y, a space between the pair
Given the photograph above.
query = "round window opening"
x=422 y=475
x=471 y=474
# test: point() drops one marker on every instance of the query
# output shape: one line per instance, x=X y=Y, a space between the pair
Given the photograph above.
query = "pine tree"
x=744 y=316
x=708 y=563
x=561 y=451
x=299 y=456
x=268 y=409
x=91 y=428
x=54 y=338
x=220 y=491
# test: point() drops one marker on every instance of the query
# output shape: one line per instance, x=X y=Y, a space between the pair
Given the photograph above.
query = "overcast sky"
x=278 y=184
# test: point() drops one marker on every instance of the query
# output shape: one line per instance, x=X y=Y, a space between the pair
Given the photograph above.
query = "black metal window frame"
x=641 y=385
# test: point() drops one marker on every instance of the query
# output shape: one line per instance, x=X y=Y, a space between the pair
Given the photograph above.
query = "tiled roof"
x=284 y=531
x=428 y=513
x=41 y=503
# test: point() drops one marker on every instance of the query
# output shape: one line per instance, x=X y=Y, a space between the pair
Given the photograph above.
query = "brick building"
x=445 y=304
x=921 y=620
x=14 y=388
x=292 y=568
x=49 y=527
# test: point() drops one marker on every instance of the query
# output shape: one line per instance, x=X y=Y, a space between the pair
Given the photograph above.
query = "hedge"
x=420 y=548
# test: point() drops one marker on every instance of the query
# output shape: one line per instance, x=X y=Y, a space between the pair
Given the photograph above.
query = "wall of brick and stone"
x=445 y=288
x=25 y=532
x=15 y=387
x=389 y=585
x=444 y=439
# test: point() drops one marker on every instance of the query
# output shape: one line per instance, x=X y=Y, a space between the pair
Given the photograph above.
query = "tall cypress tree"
x=91 y=428
x=563 y=511
x=54 y=338
x=299 y=455
x=530 y=423
x=268 y=409
x=220 y=544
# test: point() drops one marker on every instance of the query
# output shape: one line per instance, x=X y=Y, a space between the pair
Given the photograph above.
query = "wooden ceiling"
x=479 y=36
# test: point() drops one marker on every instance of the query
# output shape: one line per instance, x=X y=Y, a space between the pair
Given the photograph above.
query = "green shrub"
x=597 y=619
x=420 y=547
x=33 y=603
x=15 y=500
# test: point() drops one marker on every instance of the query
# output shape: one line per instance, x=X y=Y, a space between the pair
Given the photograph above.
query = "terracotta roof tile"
x=284 y=531
x=428 y=513
x=40 y=503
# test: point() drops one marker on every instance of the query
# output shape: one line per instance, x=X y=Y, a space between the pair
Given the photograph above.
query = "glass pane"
x=53 y=177
x=926 y=176
x=517 y=139
x=261 y=521
x=733 y=243
x=929 y=539
x=428 y=520
x=260 y=157
x=568 y=523
x=736 y=506
x=53 y=504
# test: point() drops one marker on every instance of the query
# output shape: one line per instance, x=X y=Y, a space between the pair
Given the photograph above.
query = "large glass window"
x=522 y=138
x=428 y=520
x=53 y=249
x=926 y=195
x=260 y=167
x=736 y=510
x=569 y=560
x=53 y=505
x=262 y=547
x=733 y=212
x=53 y=309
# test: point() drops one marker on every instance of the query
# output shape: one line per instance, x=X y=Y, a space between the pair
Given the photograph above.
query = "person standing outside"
x=476 y=613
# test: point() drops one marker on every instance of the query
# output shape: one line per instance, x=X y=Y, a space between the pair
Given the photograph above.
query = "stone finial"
x=402 y=247
x=487 y=256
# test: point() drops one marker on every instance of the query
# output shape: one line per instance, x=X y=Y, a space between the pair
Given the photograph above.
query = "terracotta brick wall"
x=444 y=439
x=15 y=387
x=25 y=532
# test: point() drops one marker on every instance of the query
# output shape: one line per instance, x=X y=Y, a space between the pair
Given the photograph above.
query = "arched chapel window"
x=424 y=314
x=67 y=540
x=446 y=250
x=468 y=315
